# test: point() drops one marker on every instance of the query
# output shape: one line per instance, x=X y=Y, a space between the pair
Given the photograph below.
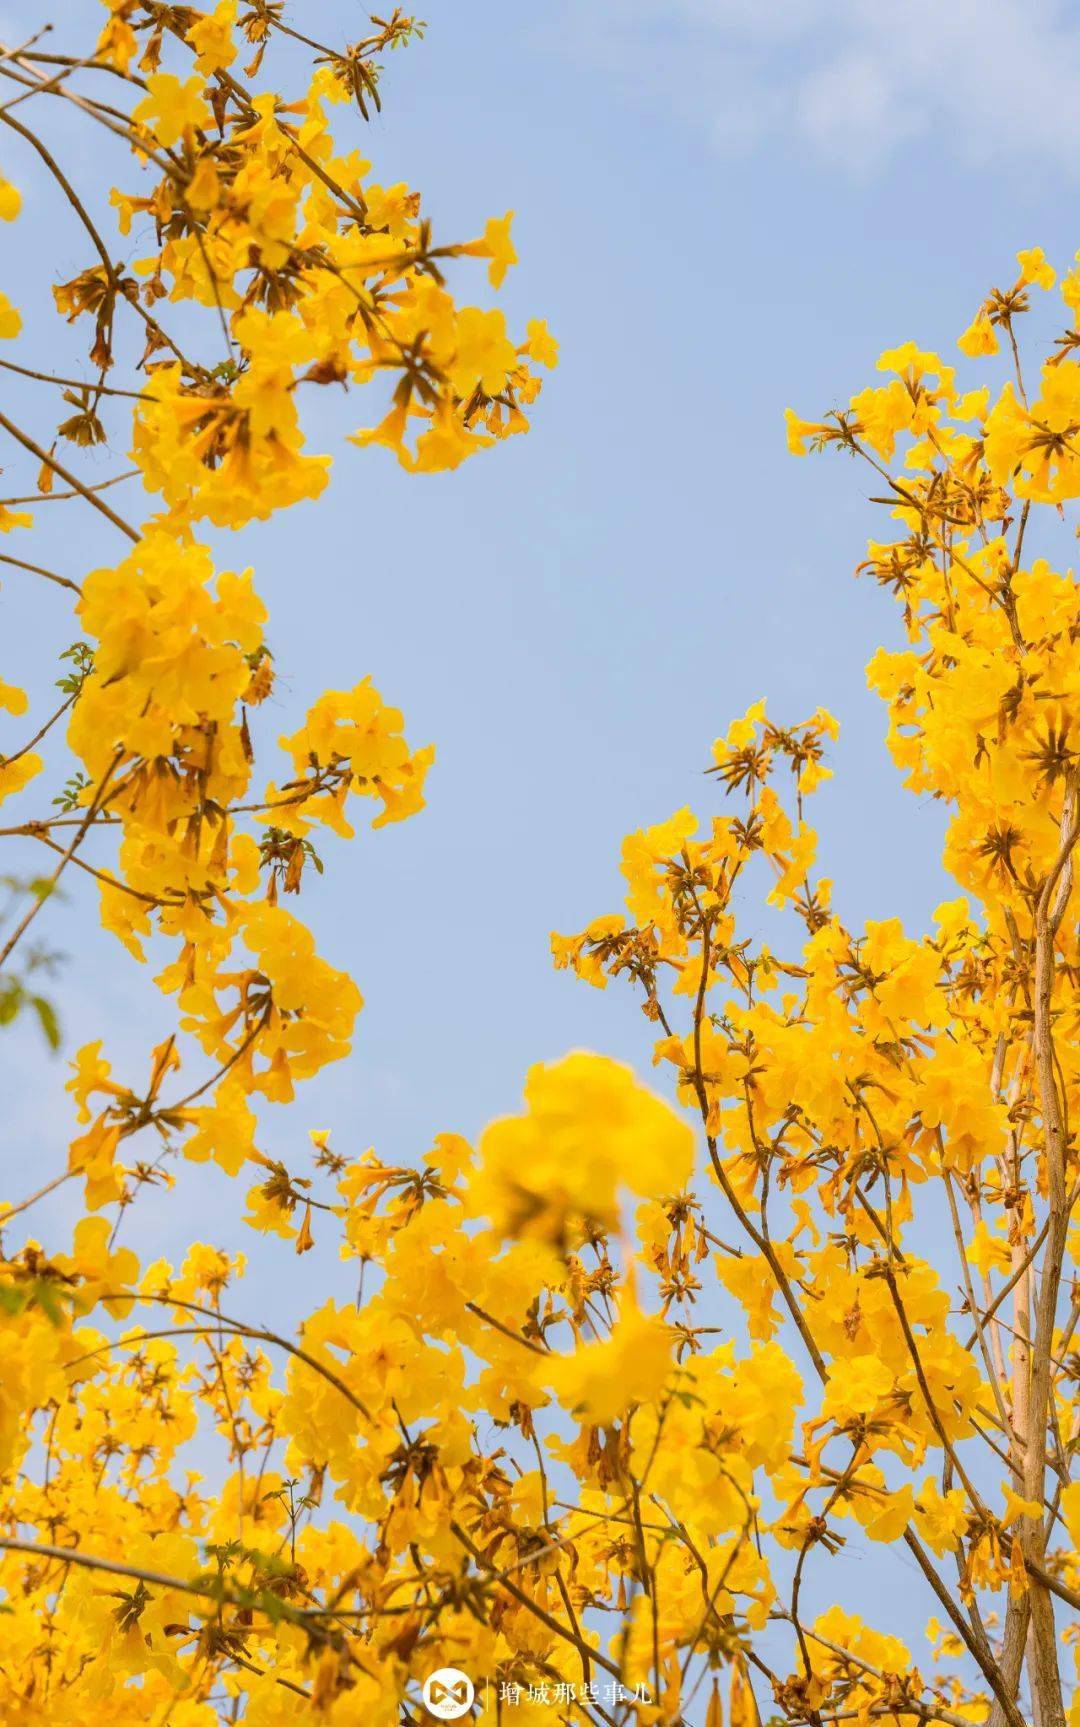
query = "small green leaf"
x=47 y=1020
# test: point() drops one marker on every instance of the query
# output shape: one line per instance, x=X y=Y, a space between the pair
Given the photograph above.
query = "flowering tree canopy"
x=624 y=1375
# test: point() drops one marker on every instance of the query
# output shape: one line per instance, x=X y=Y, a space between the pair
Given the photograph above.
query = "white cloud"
x=990 y=81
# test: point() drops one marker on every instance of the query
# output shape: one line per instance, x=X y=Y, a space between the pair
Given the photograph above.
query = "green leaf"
x=45 y=1295
x=47 y=1020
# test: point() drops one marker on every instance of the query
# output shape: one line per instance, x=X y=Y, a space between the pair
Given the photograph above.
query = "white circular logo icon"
x=448 y=1694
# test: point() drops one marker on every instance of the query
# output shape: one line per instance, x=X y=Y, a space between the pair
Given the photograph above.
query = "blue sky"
x=723 y=207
